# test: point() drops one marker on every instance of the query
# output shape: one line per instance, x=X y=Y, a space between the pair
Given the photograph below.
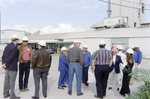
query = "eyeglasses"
x=25 y=41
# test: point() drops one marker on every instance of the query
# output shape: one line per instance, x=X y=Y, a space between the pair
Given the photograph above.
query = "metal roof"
x=107 y=33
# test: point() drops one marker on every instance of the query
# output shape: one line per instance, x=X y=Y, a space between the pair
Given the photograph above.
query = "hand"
x=21 y=61
x=4 y=66
x=92 y=70
x=138 y=63
x=48 y=73
x=31 y=67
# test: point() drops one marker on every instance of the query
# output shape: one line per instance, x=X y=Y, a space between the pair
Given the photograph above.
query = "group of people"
x=107 y=65
x=40 y=62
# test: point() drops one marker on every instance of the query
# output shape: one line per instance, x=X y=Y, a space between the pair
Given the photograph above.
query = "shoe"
x=79 y=94
x=45 y=96
x=60 y=88
x=7 y=96
x=64 y=86
x=97 y=97
x=117 y=89
x=26 y=89
x=85 y=86
x=17 y=97
x=22 y=90
x=33 y=97
x=70 y=92
x=109 y=88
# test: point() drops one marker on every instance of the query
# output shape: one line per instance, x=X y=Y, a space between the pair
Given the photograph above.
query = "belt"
x=101 y=65
x=26 y=61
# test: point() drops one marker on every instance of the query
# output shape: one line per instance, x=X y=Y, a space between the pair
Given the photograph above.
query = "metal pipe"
x=109 y=8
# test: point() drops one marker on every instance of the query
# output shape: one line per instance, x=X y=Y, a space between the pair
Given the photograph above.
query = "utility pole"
x=120 y=8
x=0 y=28
x=109 y=8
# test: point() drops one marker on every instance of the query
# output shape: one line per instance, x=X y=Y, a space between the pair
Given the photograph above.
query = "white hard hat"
x=85 y=46
x=132 y=47
x=42 y=43
x=77 y=41
x=137 y=46
x=120 y=47
x=25 y=38
x=63 y=49
x=130 y=51
x=102 y=42
x=15 y=36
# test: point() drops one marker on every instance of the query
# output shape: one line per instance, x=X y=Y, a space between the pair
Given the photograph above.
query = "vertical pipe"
x=120 y=8
x=109 y=8
x=0 y=28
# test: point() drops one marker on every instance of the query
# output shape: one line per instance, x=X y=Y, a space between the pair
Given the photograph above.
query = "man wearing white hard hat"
x=10 y=64
x=63 y=68
x=139 y=56
x=86 y=63
x=41 y=63
x=25 y=59
x=123 y=58
x=75 y=62
x=102 y=60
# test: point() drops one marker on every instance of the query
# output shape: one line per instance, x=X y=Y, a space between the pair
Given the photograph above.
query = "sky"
x=53 y=16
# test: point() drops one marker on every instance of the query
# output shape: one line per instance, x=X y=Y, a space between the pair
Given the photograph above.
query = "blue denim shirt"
x=87 y=59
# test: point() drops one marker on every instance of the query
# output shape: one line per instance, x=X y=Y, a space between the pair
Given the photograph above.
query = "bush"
x=143 y=91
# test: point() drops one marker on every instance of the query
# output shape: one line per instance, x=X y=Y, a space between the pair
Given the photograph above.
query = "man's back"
x=75 y=54
x=10 y=57
x=102 y=56
x=41 y=59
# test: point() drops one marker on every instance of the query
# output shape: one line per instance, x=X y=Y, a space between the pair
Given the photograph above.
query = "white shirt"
x=123 y=58
x=114 y=59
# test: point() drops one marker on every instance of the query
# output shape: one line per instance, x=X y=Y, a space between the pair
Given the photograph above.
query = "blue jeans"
x=77 y=69
x=24 y=68
x=62 y=78
x=85 y=75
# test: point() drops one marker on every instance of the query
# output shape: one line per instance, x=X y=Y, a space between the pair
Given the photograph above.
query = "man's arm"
x=34 y=60
x=90 y=59
x=3 y=57
x=139 y=58
x=68 y=61
x=92 y=65
x=110 y=59
x=110 y=63
x=81 y=57
x=11 y=56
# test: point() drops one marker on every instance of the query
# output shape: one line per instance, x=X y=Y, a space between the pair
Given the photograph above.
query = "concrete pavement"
x=55 y=93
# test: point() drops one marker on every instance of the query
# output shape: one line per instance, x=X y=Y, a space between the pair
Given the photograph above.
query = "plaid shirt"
x=102 y=56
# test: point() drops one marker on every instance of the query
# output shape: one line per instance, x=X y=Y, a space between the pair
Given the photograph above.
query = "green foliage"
x=143 y=91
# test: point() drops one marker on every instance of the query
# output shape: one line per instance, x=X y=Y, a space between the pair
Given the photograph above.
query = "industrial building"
x=123 y=26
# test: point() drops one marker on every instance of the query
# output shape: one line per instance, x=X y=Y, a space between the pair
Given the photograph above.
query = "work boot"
x=60 y=88
x=22 y=90
x=26 y=89
x=109 y=88
x=97 y=97
x=70 y=92
x=79 y=94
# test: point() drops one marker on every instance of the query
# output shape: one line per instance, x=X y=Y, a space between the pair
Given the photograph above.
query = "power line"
x=134 y=2
x=123 y=5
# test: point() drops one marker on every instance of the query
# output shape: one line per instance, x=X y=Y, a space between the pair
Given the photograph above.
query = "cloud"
x=47 y=29
x=61 y=29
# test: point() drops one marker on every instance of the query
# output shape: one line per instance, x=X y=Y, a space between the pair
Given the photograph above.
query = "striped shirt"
x=102 y=56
